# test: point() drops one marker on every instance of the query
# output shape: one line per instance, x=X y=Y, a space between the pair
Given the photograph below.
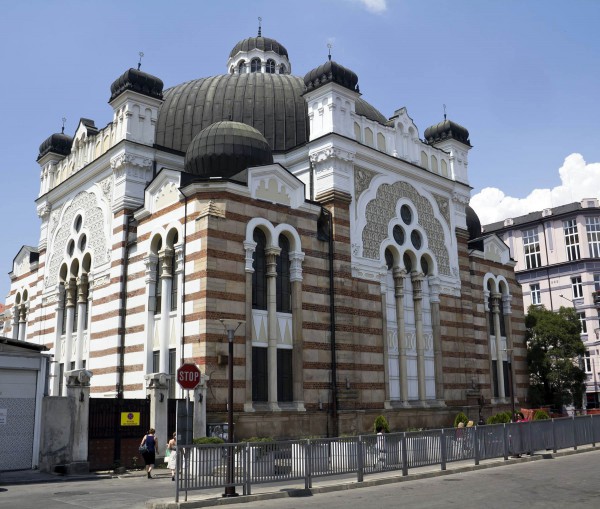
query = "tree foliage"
x=554 y=351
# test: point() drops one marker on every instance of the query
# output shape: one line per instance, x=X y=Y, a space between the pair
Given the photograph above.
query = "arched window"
x=255 y=65
x=63 y=325
x=270 y=66
x=282 y=69
x=491 y=309
x=158 y=283
x=284 y=295
x=174 y=277
x=242 y=67
x=259 y=276
x=389 y=259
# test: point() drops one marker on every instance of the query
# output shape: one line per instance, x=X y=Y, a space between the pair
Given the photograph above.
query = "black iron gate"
x=116 y=427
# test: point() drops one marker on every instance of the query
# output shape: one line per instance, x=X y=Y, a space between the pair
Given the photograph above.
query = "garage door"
x=17 y=413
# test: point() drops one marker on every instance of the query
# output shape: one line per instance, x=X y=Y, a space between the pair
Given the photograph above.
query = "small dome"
x=260 y=43
x=447 y=130
x=226 y=148
x=57 y=143
x=138 y=81
x=473 y=223
x=333 y=72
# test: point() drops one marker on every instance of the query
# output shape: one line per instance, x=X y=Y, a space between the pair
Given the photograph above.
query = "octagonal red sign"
x=188 y=376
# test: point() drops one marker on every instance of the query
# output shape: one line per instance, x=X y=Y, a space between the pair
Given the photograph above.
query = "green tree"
x=554 y=351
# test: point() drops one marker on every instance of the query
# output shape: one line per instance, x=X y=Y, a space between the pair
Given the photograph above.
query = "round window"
x=415 y=238
x=82 y=243
x=406 y=214
x=71 y=247
x=78 y=222
x=398 y=233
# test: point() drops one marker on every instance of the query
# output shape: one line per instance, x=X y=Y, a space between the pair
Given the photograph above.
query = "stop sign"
x=188 y=376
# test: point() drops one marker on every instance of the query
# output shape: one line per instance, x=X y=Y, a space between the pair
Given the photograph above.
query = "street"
x=565 y=481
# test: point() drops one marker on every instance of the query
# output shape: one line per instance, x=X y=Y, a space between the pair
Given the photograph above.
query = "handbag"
x=143 y=448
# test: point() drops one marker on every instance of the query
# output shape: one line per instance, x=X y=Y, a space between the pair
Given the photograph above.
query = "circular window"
x=415 y=238
x=82 y=242
x=389 y=259
x=407 y=262
x=406 y=214
x=398 y=233
x=71 y=247
x=424 y=265
x=78 y=222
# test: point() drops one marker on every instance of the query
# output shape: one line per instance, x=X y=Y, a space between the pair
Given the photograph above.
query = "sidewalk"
x=213 y=497
x=37 y=477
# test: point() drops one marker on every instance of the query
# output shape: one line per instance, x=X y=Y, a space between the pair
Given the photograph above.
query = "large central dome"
x=258 y=91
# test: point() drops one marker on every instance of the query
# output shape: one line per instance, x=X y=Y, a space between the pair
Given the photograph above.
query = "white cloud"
x=578 y=180
x=376 y=6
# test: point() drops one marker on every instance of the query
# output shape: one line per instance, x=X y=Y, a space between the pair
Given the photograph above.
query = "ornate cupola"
x=454 y=139
x=331 y=72
x=259 y=54
x=58 y=144
x=135 y=97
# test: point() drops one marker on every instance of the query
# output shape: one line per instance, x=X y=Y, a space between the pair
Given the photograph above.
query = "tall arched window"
x=157 y=283
x=255 y=65
x=259 y=276
x=174 y=277
x=270 y=66
x=284 y=287
x=491 y=309
x=242 y=67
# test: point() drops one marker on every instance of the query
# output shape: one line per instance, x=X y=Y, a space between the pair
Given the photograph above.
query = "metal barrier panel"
x=518 y=438
x=382 y=452
x=460 y=444
x=491 y=441
x=563 y=429
x=332 y=456
x=583 y=430
x=596 y=428
x=423 y=448
x=276 y=461
x=542 y=435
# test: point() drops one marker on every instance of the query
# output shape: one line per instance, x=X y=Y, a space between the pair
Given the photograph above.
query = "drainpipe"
x=547 y=267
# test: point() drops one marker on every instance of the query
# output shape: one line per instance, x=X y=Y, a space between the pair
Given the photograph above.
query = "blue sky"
x=522 y=75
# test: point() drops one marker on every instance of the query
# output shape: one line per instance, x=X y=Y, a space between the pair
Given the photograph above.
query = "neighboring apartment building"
x=558 y=264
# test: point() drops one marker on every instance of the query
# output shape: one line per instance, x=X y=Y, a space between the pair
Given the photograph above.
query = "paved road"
x=568 y=481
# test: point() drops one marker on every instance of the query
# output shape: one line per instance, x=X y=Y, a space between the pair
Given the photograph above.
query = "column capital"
x=78 y=378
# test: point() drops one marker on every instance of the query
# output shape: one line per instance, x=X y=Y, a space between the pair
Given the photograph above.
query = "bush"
x=540 y=415
x=381 y=422
x=460 y=417
x=499 y=418
x=208 y=440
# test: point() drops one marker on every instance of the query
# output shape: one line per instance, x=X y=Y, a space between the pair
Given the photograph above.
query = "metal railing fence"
x=246 y=464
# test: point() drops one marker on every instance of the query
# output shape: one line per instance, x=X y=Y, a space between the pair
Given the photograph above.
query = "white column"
x=417 y=280
x=82 y=294
x=271 y=254
x=496 y=303
x=70 y=304
x=22 y=321
x=399 y=275
x=166 y=256
x=434 y=299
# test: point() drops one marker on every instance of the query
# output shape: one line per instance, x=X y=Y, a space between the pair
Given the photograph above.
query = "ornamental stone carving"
x=131 y=165
x=362 y=180
x=329 y=153
x=93 y=221
x=43 y=211
x=444 y=206
x=106 y=186
x=382 y=209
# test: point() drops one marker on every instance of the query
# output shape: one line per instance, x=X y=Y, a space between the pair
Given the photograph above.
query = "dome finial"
x=444 y=111
x=259 y=26
x=329 y=45
x=64 y=120
x=141 y=54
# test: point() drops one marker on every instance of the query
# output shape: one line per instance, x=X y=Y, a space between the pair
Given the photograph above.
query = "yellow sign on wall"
x=130 y=418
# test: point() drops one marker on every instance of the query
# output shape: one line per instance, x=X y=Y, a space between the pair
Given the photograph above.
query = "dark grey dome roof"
x=226 y=148
x=138 y=81
x=447 y=130
x=57 y=143
x=260 y=43
x=271 y=103
x=473 y=223
x=332 y=72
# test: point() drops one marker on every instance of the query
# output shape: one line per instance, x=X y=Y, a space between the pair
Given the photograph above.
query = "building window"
x=577 y=287
x=582 y=322
x=571 y=239
x=597 y=282
x=531 y=246
x=285 y=383
x=61 y=378
x=155 y=361
x=270 y=66
x=592 y=225
x=173 y=283
x=172 y=371
x=587 y=362
x=242 y=67
x=75 y=316
x=284 y=287
x=255 y=65
x=260 y=374
x=259 y=276
x=536 y=298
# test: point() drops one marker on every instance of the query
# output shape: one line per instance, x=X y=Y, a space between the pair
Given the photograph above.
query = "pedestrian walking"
x=171 y=455
x=149 y=450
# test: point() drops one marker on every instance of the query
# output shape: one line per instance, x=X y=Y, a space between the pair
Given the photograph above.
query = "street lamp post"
x=230 y=487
